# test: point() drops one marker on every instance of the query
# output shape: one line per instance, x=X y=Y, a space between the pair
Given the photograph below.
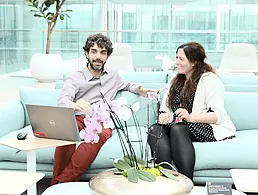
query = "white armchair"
x=239 y=58
x=121 y=58
x=74 y=64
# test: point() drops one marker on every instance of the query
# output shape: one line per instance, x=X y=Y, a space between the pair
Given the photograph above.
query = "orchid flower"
x=99 y=117
x=92 y=138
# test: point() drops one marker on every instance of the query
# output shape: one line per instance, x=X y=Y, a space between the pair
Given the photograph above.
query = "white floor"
x=11 y=83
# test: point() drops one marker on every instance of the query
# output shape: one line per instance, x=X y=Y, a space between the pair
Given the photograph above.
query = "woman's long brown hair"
x=195 y=53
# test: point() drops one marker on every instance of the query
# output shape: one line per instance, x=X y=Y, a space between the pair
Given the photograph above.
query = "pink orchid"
x=94 y=127
x=92 y=138
x=98 y=115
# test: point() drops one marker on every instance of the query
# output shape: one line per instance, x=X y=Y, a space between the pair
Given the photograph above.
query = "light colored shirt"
x=209 y=94
x=83 y=85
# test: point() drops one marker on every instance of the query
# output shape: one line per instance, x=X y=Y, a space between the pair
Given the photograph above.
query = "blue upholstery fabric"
x=38 y=97
x=11 y=117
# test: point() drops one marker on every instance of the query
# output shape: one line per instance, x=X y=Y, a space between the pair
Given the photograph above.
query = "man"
x=80 y=90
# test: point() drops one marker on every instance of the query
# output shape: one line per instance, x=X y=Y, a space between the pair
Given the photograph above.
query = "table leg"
x=31 y=167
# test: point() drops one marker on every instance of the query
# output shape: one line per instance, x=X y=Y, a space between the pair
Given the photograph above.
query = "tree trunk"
x=48 y=38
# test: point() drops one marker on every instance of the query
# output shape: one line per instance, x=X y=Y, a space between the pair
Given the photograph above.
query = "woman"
x=192 y=111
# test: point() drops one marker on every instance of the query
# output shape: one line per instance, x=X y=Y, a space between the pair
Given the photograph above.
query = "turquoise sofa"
x=213 y=160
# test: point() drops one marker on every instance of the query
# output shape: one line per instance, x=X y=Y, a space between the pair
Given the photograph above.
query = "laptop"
x=53 y=122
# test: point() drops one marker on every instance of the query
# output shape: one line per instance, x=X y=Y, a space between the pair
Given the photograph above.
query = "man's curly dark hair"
x=101 y=40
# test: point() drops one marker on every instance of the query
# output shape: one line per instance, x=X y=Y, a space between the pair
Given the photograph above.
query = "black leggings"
x=174 y=146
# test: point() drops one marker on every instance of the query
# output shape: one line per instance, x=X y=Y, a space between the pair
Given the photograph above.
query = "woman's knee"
x=154 y=132
x=179 y=129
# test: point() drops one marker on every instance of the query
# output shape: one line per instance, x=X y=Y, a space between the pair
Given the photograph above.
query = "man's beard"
x=97 y=68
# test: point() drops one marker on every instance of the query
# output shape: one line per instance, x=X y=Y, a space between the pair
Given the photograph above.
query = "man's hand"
x=183 y=114
x=81 y=105
x=143 y=92
x=165 y=118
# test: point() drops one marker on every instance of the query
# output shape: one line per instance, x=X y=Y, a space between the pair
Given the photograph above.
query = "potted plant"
x=132 y=174
x=47 y=67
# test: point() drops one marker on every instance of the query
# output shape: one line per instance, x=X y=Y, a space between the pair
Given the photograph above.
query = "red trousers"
x=70 y=164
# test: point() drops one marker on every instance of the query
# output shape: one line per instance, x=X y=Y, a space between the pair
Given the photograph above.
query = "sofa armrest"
x=12 y=117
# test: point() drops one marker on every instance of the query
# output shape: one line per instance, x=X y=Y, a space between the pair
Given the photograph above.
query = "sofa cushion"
x=12 y=117
x=38 y=96
x=145 y=77
x=241 y=88
x=234 y=153
x=111 y=149
x=239 y=79
x=242 y=109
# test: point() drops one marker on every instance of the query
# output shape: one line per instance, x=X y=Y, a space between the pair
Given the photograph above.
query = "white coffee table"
x=198 y=190
x=245 y=180
x=30 y=145
x=78 y=188
x=82 y=188
x=14 y=182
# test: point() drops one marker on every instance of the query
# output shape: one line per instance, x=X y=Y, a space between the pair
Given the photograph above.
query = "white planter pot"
x=107 y=182
x=46 y=67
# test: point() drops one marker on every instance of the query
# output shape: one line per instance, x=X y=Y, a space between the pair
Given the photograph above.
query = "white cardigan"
x=209 y=94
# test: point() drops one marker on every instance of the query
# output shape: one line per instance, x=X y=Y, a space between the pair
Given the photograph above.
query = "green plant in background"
x=50 y=10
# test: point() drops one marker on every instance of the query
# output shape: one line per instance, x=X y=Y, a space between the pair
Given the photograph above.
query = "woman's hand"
x=165 y=118
x=183 y=114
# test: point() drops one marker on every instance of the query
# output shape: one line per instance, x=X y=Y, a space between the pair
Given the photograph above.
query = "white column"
x=103 y=14
x=119 y=22
x=19 y=34
x=218 y=27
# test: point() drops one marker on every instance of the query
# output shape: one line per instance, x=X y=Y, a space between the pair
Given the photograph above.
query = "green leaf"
x=145 y=176
x=61 y=17
x=45 y=9
x=49 y=17
x=68 y=10
x=132 y=175
x=49 y=13
x=57 y=3
x=121 y=165
x=30 y=1
x=169 y=174
x=33 y=10
x=31 y=5
x=36 y=4
x=48 y=3
x=130 y=159
x=37 y=15
x=67 y=15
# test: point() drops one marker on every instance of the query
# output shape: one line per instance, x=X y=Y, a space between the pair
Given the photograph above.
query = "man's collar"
x=89 y=76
